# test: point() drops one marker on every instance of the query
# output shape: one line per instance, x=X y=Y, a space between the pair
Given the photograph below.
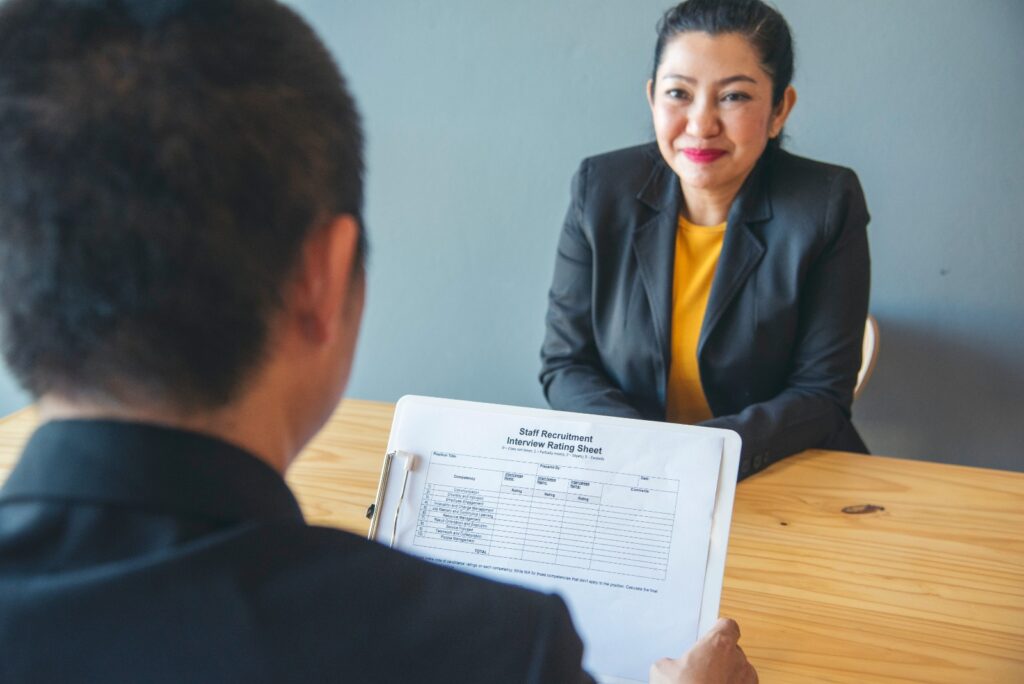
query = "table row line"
x=627 y=497
x=583 y=517
x=613 y=553
x=456 y=503
x=547 y=528
x=517 y=536
x=624 y=565
x=481 y=472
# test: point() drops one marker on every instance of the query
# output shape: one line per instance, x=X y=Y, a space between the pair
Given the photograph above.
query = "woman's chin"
x=699 y=179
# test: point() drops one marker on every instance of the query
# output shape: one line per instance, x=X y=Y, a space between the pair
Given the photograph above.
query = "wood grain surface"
x=922 y=580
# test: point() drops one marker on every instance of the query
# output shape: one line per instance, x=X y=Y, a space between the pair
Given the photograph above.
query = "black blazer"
x=135 y=553
x=780 y=345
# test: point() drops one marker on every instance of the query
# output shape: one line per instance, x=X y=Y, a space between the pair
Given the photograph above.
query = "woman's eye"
x=677 y=94
x=735 y=97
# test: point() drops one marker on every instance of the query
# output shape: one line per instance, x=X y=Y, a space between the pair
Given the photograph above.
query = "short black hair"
x=162 y=163
x=762 y=25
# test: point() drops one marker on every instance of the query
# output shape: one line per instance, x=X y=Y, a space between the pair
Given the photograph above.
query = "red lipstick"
x=702 y=156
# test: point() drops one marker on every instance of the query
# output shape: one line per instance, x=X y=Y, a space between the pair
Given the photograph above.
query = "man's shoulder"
x=366 y=600
x=334 y=550
x=344 y=566
x=278 y=600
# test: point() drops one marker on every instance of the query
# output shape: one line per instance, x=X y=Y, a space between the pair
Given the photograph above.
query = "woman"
x=711 y=277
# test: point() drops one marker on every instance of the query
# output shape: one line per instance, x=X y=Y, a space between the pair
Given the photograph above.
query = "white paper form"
x=614 y=515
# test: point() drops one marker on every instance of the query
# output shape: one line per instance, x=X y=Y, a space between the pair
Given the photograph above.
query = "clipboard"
x=419 y=457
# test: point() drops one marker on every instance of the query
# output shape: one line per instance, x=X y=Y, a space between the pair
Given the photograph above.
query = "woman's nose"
x=702 y=119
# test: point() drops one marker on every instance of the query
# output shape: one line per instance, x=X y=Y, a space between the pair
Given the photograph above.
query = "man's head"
x=165 y=166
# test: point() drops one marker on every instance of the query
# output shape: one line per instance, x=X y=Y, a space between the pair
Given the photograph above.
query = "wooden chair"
x=869 y=355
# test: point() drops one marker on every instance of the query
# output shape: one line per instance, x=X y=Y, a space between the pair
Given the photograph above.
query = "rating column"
x=547 y=508
x=513 y=515
x=579 y=524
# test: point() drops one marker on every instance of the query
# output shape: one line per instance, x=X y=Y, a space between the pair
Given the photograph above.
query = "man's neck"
x=263 y=435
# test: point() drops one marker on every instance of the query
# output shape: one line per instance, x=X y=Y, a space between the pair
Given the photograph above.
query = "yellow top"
x=697 y=252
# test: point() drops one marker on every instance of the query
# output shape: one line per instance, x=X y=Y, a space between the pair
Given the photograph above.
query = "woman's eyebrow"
x=720 y=82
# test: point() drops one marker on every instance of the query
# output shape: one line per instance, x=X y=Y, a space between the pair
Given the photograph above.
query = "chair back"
x=869 y=355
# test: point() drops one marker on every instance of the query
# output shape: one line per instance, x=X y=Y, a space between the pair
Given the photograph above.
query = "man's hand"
x=716 y=659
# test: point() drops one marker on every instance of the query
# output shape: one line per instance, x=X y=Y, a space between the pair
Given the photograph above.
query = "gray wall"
x=477 y=113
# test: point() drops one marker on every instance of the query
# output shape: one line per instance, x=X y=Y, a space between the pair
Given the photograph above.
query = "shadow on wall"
x=939 y=397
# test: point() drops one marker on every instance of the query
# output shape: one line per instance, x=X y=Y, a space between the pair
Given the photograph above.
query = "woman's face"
x=712 y=108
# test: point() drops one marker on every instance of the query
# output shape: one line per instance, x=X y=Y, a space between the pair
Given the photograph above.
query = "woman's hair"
x=763 y=26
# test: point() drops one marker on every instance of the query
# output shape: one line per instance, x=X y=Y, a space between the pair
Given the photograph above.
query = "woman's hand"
x=716 y=659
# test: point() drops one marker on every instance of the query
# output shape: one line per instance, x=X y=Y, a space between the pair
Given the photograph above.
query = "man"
x=181 y=284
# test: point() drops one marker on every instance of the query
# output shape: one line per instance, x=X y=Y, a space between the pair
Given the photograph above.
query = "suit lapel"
x=654 y=249
x=741 y=249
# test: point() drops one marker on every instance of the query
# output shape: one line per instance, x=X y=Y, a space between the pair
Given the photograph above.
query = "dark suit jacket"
x=780 y=345
x=132 y=553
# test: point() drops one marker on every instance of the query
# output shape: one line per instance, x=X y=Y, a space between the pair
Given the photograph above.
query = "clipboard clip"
x=408 y=463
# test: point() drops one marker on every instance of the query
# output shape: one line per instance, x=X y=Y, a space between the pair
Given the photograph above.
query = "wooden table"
x=929 y=588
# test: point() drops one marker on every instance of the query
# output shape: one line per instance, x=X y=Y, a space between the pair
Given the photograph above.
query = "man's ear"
x=326 y=278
